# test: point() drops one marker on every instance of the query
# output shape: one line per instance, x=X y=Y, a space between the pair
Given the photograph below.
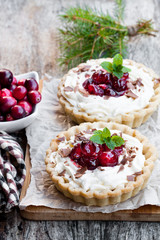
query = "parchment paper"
x=50 y=121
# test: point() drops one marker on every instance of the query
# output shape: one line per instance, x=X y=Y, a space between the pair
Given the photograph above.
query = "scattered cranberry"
x=5 y=92
x=19 y=92
x=108 y=159
x=34 y=97
x=9 y=117
x=31 y=84
x=17 y=112
x=6 y=77
x=6 y=103
x=21 y=82
x=27 y=107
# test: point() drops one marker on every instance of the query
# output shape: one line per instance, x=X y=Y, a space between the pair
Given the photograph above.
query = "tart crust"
x=106 y=197
x=133 y=119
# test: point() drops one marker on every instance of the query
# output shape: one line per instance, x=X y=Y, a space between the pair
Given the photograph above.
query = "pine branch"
x=88 y=34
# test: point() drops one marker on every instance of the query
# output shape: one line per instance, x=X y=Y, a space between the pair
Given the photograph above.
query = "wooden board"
x=145 y=213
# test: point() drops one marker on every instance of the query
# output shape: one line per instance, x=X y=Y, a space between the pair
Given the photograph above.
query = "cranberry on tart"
x=110 y=90
x=100 y=163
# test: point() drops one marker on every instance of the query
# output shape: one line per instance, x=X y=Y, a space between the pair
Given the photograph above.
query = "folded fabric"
x=12 y=172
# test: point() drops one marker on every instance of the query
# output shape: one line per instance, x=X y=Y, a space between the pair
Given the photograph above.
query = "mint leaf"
x=104 y=136
x=117 y=68
x=97 y=139
x=125 y=69
x=107 y=66
x=110 y=144
x=118 y=74
x=117 y=60
x=117 y=140
x=106 y=133
x=97 y=132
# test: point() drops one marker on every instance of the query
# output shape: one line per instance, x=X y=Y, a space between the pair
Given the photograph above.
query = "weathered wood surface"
x=28 y=42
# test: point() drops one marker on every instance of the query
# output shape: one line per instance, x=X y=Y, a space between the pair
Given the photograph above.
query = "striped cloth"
x=12 y=172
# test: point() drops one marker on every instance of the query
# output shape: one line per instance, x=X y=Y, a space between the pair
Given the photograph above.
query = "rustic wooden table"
x=28 y=42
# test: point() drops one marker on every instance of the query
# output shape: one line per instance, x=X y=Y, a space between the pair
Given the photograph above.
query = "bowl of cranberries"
x=19 y=96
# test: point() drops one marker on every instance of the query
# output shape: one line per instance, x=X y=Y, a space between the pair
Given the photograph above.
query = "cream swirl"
x=98 y=106
x=98 y=180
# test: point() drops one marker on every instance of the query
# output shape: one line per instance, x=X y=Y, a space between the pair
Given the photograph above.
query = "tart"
x=90 y=93
x=97 y=173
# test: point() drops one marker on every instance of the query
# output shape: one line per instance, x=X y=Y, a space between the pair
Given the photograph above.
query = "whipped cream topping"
x=103 y=178
x=100 y=107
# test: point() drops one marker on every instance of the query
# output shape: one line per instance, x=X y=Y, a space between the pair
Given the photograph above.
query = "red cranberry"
x=6 y=103
x=5 y=92
x=88 y=148
x=76 y=152
x=119 y=150
x=31 y=84
x=21 y=82
x=92 y=163
x=14 y=81
x=9 y=117
x=110 y=92
x=96 y=90
x=19 y=92
x=100 y=77
x=12 y=87
x=17 y=112
x=6 y=77
x=1 y=118
x=34 y=97
x=119 y=84
x=108 y=159
x=87 y=83
x=27 y=106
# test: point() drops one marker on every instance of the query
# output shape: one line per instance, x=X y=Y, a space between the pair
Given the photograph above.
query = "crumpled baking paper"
x=50 y=121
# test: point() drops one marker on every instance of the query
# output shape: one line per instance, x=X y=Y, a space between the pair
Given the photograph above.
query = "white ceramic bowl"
x=12 y=126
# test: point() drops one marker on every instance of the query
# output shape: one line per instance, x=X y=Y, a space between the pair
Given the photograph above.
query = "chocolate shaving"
x=62 y=173
x=84 y=68
x=131 y=94
x=131 y=178
x=133 y=156
x=87 y=75
x=80 y=172
x=130 y=164
x=60 y=139
x=120 y=168
x=130 y=85
x=106 y=97
x=139 y=82
x=124 y=160
x=137 y=148
x=138 y=173
x=68 y=89
x=156 y=80
x=83 y=91
x=64 y=152
x=100 y=168
x=120 y=134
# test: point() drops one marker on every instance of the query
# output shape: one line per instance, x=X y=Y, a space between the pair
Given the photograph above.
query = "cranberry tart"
x=100 y=163
x=91 y=93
